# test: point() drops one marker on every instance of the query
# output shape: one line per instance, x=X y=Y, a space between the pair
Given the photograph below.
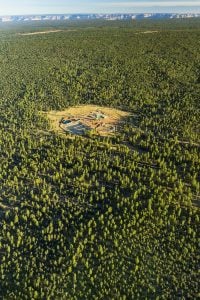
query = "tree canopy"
x=100 y=217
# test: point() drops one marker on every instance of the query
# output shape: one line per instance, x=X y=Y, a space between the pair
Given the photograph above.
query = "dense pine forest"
x=100 y=217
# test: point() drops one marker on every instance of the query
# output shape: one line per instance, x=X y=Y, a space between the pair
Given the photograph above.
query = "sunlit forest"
x=93 y=217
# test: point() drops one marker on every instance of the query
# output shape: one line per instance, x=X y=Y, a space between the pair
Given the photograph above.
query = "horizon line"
x=97 y=13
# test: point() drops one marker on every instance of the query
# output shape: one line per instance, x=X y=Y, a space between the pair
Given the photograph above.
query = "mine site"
x=80 y=120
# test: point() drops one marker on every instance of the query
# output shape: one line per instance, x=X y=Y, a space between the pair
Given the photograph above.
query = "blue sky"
x=17 y=7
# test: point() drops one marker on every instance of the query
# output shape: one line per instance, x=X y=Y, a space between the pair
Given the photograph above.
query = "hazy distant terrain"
x=109 y=17
x=100 y=217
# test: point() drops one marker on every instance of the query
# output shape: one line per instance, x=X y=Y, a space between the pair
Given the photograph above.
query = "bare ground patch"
x=44 y=32
x=147 y=32
x=76 y=120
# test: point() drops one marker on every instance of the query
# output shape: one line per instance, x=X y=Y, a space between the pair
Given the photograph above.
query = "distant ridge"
x=112 y=17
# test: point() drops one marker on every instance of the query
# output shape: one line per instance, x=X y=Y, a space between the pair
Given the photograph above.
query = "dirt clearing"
x=78 y=120
x=146 y=32
x=44 y=32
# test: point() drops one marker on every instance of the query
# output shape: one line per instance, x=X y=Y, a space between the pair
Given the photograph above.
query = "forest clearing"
x=40 y=32
x=78 y=120
x=44 y=32
x=148 y=31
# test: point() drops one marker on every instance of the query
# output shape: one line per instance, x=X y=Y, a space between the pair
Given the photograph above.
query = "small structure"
x=63 y=121
x=98 y=115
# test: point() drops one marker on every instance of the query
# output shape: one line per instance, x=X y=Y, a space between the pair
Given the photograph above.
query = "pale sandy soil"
x=39 y=32
x=146 y=32
x=44 y=32
x=114 y=116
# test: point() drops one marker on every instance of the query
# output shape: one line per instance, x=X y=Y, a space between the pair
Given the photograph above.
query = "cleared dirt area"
x=78 y=120
x=40 y=32
x=44 y=32
x=146 y=32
